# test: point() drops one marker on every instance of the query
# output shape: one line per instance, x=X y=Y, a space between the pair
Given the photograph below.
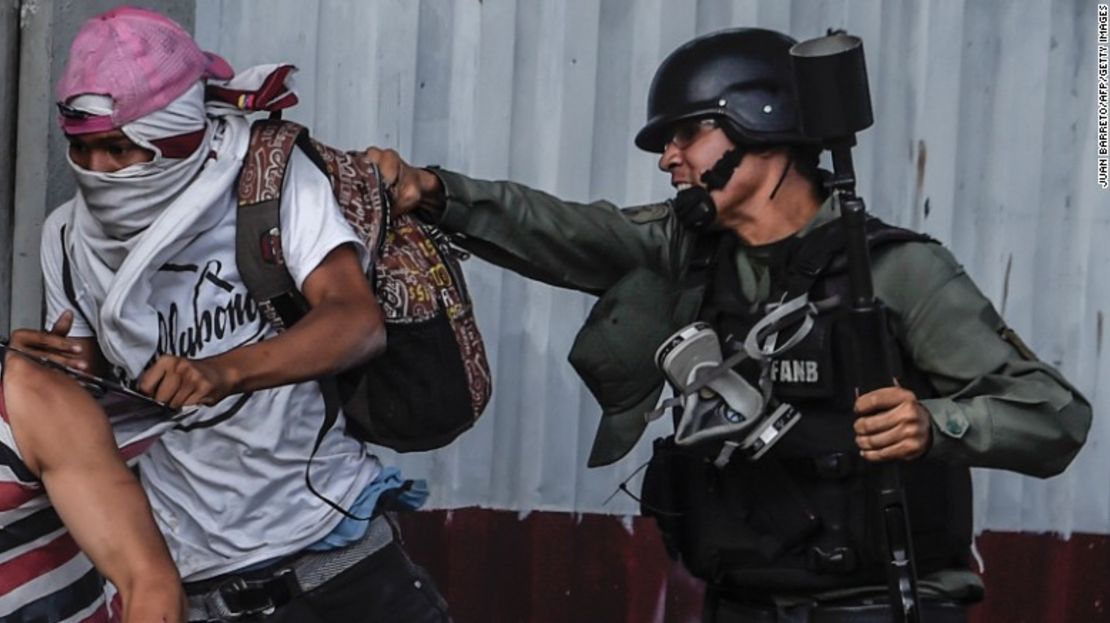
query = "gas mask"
x=719 y=405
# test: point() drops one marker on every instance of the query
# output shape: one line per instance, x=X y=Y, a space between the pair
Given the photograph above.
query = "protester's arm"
x=584 y=246
x=344 y=325
x=999 y=407
x=64 y=438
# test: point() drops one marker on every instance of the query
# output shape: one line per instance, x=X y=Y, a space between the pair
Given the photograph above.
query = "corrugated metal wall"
x=9 y=74
x=985 y=138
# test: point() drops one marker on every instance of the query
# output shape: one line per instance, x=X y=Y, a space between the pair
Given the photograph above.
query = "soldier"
x=788 y=536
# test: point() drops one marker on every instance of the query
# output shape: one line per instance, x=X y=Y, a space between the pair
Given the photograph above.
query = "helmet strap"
x=716 y=177
x=782 y=178
x=694 y=206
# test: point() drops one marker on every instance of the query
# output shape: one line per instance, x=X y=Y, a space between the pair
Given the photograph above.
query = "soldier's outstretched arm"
x=999 y=406
x=583 y=246
x=64 y=439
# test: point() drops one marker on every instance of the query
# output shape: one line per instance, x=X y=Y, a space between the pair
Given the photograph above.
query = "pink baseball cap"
x=141 y=59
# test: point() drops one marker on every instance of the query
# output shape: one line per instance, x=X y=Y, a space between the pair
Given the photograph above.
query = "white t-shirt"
x=227 y=486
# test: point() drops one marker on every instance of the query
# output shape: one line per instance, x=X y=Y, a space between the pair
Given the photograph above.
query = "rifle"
x=835 y=103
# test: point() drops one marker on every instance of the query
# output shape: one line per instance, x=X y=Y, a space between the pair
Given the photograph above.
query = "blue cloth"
x=350 y=529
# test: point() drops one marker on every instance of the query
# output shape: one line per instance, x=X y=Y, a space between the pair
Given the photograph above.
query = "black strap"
x=703 y=254
x=329 y=387
x=67 y=281
x=717 y=177
x=811 y=257
x=723 y=295
x=800 y=262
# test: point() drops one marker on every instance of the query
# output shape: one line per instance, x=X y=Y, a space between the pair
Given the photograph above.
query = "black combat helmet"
x=742 y=75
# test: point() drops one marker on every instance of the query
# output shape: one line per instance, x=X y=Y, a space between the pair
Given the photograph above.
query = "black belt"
x=725 y=611
x=259 y=593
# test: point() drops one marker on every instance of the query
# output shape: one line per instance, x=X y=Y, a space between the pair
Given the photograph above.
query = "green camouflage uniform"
x=1000 y=406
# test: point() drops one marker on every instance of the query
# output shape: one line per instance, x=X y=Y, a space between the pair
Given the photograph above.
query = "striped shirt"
x=44 y=577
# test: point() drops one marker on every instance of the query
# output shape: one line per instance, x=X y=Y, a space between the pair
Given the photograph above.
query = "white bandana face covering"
x=127 y=223
x=125 y=202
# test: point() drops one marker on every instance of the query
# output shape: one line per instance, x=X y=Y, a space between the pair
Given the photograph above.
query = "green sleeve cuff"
x=950 y=425
x=456 y=201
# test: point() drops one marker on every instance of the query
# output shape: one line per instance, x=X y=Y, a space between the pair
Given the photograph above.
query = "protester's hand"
x=409 y=186
x=180 y=382
x=53 y=344
x=892 y=425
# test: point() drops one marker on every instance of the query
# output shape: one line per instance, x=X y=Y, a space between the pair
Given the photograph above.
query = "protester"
x=144 y=257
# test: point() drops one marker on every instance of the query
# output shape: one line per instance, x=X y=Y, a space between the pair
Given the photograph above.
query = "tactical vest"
x=803 y=518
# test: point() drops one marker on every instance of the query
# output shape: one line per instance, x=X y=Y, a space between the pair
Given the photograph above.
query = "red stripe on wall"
x=494 y=567
x=1035 y=578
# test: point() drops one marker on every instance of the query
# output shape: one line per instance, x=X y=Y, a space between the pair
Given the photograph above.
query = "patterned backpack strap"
x=258 y=248
x=433 y=381
x=358 y=190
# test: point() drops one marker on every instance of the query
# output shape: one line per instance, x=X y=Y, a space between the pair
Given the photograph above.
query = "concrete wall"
x=42 y=178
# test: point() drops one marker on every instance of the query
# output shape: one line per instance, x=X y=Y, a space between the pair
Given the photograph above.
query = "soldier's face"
x=695 y=146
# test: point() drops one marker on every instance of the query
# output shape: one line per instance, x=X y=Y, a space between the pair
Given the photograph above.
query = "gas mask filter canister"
x=717 y=403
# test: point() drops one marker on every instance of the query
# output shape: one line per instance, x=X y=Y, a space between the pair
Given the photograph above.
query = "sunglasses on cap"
x=69 y=112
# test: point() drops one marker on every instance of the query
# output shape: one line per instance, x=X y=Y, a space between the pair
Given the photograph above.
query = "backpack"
x=433 y=381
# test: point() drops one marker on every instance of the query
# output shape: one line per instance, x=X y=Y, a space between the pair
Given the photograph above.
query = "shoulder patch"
x=647 y=213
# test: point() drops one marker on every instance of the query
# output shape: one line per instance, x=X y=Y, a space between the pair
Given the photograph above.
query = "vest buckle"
x=835 y=465
x=837 y=560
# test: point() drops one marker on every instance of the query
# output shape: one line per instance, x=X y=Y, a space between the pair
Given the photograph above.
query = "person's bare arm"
x=65 y=439
x=344 y=327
